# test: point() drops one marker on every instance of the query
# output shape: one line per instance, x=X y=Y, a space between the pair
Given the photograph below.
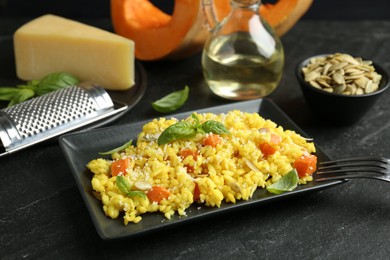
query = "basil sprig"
x=186 y=130
x=55 y=81
x=287 y=183
x=125 y=187
x=51 y=82
x=172 y=101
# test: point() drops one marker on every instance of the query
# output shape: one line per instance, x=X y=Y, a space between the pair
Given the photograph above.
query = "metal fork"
x=358 y=167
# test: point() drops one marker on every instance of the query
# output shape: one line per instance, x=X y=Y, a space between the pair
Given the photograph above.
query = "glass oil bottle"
x=242 y=58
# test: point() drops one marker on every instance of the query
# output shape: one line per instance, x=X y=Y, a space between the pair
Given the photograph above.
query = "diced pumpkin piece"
x=306 y=165
x=212 y=140
x=158 y=193
x=119 y=167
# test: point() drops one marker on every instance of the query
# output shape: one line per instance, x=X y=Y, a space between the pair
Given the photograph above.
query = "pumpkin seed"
x=368 y=88
x=338 y=78
x=328 y=89
x=324 y=83
x=312 y=76
x=338 y=66
x=359 y=91
x=375 y=87
x=326 y=68
x=350 y=59
x=315 y=84
x=339 y=88
x=361 y=82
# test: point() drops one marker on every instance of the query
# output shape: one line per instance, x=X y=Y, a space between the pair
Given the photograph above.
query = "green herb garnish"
x=214 y=127
x=287 y=183
x=172 y=101
x=125 y=187
x=180 y=130
x=33 y=88
x=20 y=96
x=118 y=149
x=185 y=130
x=55 y=81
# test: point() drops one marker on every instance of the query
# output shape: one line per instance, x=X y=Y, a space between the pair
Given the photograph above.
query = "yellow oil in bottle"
x=236 y=67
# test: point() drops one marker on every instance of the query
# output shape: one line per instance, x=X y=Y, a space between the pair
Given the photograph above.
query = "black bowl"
x=336 y=108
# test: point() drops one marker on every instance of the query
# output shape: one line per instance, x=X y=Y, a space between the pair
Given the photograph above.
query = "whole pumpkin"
x=158 y=35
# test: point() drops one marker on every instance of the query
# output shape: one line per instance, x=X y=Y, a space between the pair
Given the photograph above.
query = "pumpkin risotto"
x=210 y=159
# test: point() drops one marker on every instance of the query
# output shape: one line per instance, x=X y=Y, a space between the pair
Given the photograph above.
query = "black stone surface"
x=42 y=214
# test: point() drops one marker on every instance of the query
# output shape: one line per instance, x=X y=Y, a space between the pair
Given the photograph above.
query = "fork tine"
x=346 y=176
x=362 y=158
x=354 y=167
x=327 y=170
x=353 y=164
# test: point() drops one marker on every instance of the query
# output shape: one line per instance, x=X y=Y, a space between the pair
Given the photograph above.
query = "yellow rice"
x=229 y=172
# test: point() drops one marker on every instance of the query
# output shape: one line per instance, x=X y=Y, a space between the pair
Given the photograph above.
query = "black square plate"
x=80 y=148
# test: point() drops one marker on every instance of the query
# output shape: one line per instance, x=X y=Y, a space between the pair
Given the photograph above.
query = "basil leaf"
x=125 y=187
x=196 y=119
x=32 y=83
x=118 y=149
x=54 y=81
x=197 y=126
x=7 y=93
x=136 y=193
x=287 y=183
x=172 y=101
x=25 y=94
x=14 y=100
x=214 y=127
x=180 y=130
x=20 y=96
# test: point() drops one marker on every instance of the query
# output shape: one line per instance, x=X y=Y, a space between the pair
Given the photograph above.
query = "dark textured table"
x=42 y=214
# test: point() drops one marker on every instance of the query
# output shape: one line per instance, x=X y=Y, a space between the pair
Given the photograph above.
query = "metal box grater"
x=53 y=114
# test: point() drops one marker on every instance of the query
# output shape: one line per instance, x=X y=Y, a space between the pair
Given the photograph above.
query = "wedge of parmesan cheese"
x=54 y=44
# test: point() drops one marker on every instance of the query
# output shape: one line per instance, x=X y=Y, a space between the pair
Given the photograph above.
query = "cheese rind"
x=54 y=44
